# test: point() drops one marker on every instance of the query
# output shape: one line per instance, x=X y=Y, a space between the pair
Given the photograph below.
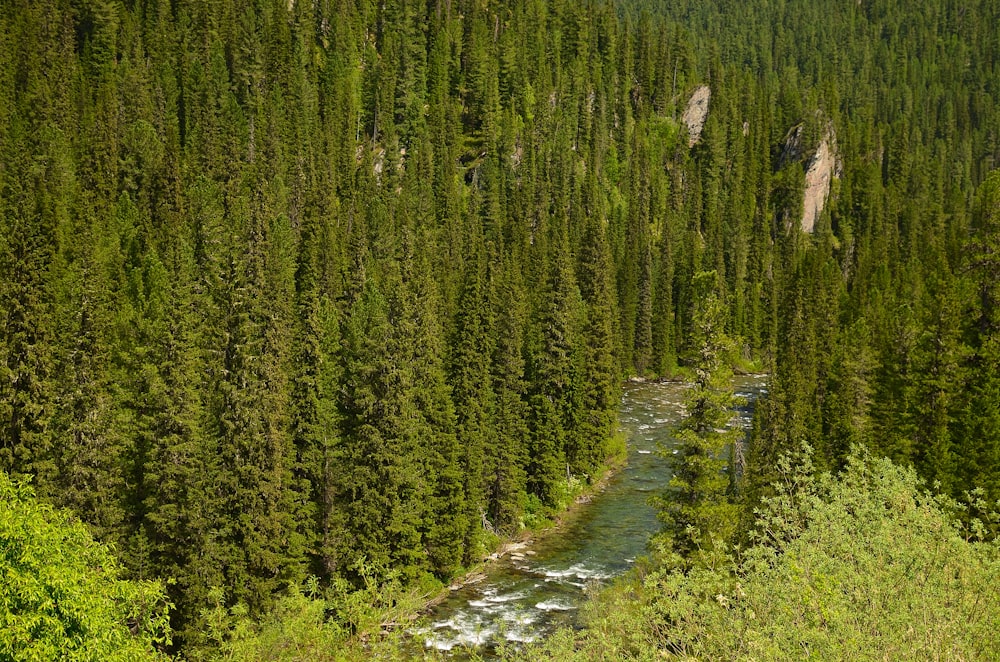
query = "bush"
x=867 y=566
x=338 y=623
x=61 y=596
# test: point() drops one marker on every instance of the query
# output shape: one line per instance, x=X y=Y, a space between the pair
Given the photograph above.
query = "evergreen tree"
x=451 y=525
x=980 y=453
x=259 y=546
x=369 y=406
x=473 y=394
x=697 y=511
x=26 y=335
x=587 y=449
x=315 y=423
x=553 y=381
x=938 y=358
x=505 y=476
x=663 y=329
x=180 y=464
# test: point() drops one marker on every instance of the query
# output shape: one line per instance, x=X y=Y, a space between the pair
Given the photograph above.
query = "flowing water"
x=538 y=589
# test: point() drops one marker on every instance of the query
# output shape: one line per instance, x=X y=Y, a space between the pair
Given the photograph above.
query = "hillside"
x=346 y=290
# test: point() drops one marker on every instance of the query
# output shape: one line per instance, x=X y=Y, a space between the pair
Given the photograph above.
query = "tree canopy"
x=288 y=288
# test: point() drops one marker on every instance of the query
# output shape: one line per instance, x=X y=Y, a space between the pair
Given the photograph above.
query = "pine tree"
x=315 y=422
x=697 y=512
x=505 y=475
x=92 y=458
x=937 y=376
x=178 y=523
x=27 y=239
x=259 y=546
x=472 y=387
x=450 y=528
x=848 y=415
x=663 y=322
x=370 y=493
x=397 y=440
x=587 y=449
x=980 y=451
x=644 y=312
x=552 y=376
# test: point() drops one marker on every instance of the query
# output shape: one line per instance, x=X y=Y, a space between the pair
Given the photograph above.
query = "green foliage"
x=283 y=284
x=698 y=513
x=62 y=595
x=308 y=622
x=864 y=566
x=536 y=515
x=979 y=457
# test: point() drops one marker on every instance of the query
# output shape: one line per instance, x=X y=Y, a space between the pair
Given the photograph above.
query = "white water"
x=538 y=590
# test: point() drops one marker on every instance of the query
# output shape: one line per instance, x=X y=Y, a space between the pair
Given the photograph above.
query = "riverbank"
x=520 y=549
x=410 y=607
x=518 y=546
x=540 y=583
x=531 y=585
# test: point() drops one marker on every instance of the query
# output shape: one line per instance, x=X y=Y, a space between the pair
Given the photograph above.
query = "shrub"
x=61 y=595
x=864 y=566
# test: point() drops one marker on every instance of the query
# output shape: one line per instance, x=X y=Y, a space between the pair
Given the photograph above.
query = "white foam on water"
x=464 y=629
x=577 y=570
x=520 y=637
x=495 y=615
x=645 y=452
x=519 y=616
x=437 y=625
x=506 y=597
x=439 y=644
x=555 y=605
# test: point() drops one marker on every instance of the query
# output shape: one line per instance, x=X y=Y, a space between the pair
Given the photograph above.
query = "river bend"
x=538 y=589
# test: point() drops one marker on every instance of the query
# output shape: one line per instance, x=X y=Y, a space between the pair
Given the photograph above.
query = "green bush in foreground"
x=336 y=623
x=863 y=566
x=60 y=593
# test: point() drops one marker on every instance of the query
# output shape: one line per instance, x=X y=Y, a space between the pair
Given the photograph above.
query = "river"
x=538 y=589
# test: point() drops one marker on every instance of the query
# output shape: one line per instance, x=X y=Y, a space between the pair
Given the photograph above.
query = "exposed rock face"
x=818 y=178
x=791 y=147
x=696 y=112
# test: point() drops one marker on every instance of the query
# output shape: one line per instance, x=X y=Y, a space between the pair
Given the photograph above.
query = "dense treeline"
x=295 y=288
x=885 y=319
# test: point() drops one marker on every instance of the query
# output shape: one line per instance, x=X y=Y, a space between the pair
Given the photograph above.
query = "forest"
x=309 y=298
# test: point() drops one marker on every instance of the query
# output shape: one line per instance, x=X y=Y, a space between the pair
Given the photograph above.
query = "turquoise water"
x=539 y=588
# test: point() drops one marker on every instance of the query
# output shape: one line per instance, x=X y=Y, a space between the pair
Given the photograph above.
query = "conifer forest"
x=307 y=306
